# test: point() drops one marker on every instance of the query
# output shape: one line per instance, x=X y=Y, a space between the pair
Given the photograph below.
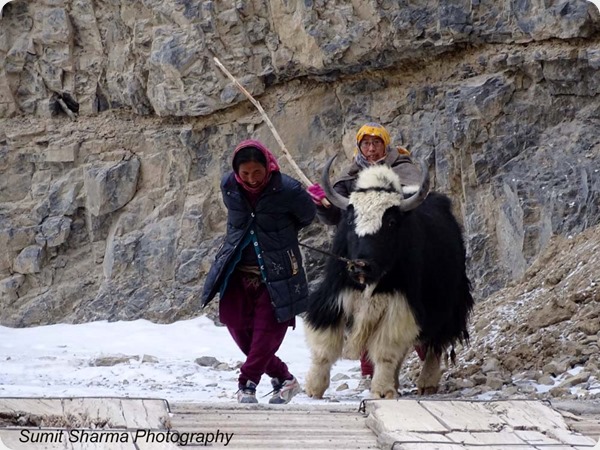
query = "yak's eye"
x=392 y=222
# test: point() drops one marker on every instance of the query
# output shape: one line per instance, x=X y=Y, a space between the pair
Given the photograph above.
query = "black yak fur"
x=421 y=255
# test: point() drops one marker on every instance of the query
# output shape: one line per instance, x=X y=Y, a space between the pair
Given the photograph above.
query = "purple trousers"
x=366 y=366
x=246 y=310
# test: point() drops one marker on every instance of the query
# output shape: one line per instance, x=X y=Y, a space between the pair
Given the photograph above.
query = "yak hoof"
x=388 y=393
x=314 y=389
x=313 y=393
x=427 y=390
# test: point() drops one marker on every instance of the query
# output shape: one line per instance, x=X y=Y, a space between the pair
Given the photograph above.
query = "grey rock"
x=546 y=380
x=207 y=361
x=339 y=377
x=190 y=267
x=491 y=365
x=112 y=360
x=462 y=384
x=574 y=380
x=112 y=187
x=149 y=359
x=16 y=239
x=494 y=381
x=53 y=26
x=9 y=288
x=55 y=231
x=29 y=260
x=64 y=197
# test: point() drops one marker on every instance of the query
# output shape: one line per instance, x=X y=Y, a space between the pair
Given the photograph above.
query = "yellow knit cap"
x=373 y=129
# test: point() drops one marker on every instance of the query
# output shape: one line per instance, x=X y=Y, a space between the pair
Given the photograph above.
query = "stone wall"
x=116 y=125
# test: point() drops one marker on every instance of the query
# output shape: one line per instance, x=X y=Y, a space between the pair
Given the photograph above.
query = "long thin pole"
x=262 y=112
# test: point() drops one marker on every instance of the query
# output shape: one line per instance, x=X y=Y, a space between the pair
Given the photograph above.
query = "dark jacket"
x=402 y=164
x=282 y=209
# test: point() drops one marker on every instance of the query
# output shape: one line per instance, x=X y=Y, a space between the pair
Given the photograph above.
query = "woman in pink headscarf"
x=258 y=271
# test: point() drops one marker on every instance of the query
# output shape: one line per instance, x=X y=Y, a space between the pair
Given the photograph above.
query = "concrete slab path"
x=408 y=424
x=453 y=424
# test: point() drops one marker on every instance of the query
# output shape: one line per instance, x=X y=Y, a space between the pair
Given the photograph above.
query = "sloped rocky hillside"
x=540 y=336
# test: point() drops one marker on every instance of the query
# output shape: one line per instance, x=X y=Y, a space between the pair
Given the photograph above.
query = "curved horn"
x=334 y=197
x=418 y=197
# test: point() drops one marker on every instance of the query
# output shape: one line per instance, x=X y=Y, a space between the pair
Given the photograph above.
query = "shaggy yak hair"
x=399 y=282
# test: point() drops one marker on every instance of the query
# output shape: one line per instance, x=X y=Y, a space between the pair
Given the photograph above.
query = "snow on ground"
x=143 y=359
x=60 y=361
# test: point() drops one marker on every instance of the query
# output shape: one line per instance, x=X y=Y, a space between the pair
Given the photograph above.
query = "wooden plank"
x=267 y=427
x=298 y=445
x=182 y=408
x=312 y=420
x=297 y=442
x=251 y=431
x=209 y=414
x=463 y=416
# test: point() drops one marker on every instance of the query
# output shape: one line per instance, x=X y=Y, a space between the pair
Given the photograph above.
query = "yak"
x=397 y=279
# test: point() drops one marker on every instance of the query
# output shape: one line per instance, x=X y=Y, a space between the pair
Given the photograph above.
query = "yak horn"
x=418 y=197
x=334 y=197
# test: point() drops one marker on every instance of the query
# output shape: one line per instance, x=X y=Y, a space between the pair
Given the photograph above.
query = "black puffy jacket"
x=282 y=209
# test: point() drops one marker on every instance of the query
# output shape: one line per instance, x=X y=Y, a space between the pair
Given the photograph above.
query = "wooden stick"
x=262 y=112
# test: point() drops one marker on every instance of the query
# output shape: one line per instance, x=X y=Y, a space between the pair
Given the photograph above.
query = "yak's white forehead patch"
x=370 y=205
x=369 y=208
x=382 y=177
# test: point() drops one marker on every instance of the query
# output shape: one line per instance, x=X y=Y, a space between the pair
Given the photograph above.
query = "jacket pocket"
x=282 y=264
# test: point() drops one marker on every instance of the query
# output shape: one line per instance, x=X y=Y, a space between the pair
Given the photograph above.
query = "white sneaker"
x=283 y=392
x=247 y=394
x=364 y=384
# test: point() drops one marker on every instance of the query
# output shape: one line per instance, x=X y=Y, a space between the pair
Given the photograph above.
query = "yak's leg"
x=388 y=361
x=325 y=348
x=429 y=380
x=390 y=343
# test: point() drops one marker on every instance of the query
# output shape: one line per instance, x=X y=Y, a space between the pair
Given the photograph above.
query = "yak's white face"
x=377 y=189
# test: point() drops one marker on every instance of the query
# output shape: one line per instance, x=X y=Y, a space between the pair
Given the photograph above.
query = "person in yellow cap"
x=372 y=147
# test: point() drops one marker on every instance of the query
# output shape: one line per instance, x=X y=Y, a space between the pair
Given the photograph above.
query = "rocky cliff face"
x=116 y=125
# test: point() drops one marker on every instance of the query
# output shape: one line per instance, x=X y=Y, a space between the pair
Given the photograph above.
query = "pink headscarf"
x=272 y=165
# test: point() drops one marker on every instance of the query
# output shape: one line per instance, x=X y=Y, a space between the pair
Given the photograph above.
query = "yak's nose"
x=358 y=266
x=359 y=269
